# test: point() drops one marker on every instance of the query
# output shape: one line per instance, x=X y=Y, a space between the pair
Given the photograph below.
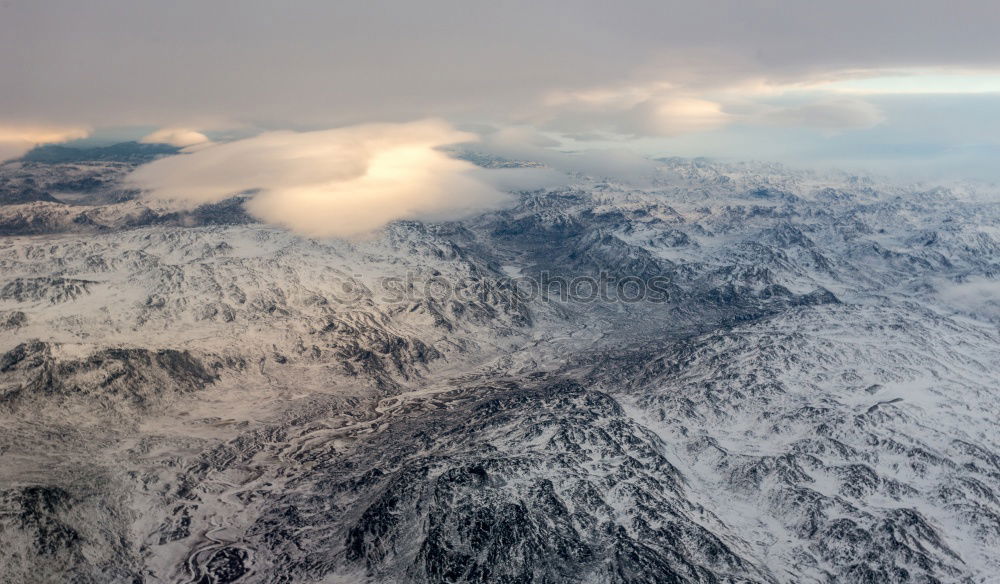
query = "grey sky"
x=665 y=69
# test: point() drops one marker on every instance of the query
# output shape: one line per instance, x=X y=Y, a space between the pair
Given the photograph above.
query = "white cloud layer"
x=345 y=182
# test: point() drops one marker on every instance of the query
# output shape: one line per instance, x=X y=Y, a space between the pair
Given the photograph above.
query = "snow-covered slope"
x=805 y=391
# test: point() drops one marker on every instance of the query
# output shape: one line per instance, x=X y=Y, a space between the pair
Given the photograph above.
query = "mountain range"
x=714 y=372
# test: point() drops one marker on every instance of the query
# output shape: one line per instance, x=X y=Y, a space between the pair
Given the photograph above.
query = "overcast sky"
x=889 y=84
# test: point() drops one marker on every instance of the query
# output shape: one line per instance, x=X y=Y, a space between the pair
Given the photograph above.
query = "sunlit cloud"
x=680 y=115
x=621 y=97
x=344 y=182
x=657 y=109
x=180 y=137
x=16 y=140
x=829 y=100
x=661 y=109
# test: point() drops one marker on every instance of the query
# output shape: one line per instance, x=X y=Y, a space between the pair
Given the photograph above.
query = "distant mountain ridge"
x=131 y=152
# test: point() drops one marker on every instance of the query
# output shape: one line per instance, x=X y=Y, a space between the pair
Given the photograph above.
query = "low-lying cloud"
x=344 y=182
x=977 y=296
x=523 y=143
x=658 y=109
x=664 y=109
x=17 y=140
x=180 y=137
x=838 y=114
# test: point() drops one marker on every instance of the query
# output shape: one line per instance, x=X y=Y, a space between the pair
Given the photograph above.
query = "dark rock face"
x=52 y=290
x=227 y=212
x=225 y=566
x=12 y=319
x=20 y=196
x=810 y=396
x=546 y=482
x=46 y=535
x=113 y=378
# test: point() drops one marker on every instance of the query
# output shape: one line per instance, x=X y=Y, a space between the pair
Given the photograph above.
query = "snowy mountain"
x=719 y=373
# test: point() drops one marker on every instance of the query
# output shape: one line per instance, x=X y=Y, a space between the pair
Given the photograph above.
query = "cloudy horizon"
x=907 y=88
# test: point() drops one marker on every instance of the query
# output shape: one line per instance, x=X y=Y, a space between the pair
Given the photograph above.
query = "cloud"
x=977 y=296
x=521 y=143
x=17 y=140
x=344 y=182
x=522 y=179
x=332 y=63
x=679 y=115
x=683 y=73
x=180 y=137
x=661 y=109
x=839 y=114
x=656 y=110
